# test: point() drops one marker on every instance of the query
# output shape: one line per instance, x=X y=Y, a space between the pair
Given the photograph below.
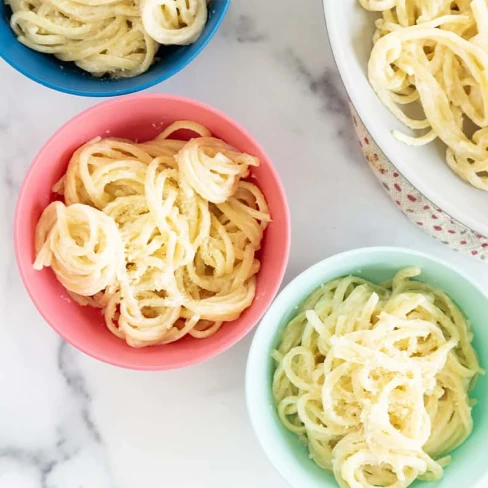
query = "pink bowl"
x=141 y=117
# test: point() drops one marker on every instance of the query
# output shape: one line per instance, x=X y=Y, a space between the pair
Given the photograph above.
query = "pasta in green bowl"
x=364 y=369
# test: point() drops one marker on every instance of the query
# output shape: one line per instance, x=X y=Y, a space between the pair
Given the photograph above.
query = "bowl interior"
x=66 y=77
x=350 y=30
x=286 y=452
x=141 y=118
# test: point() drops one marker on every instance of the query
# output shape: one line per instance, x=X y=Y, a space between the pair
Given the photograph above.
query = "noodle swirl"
x=174 y=22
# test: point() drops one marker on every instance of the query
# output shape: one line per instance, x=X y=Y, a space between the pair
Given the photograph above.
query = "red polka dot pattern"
x=414 y=205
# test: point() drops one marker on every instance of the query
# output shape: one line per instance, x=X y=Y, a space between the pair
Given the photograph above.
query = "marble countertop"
x=69 y=421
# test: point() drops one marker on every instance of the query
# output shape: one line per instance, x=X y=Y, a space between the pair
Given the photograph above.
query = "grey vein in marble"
x=244 y=30
x=75 y=434
x=327 y=87
x=25 y=458
x=76 y=383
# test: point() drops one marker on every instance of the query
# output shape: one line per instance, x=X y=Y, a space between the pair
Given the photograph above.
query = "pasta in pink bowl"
x=152 y=232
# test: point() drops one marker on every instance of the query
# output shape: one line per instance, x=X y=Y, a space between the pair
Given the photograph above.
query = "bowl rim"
x=280 y=457
x=23 y=263
x=123 y=91
x=375 y=130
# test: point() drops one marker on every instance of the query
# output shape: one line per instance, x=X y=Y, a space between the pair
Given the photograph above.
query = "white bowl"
x=350 y=30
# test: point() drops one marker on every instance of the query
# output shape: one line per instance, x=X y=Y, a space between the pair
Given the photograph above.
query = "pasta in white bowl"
x=351 y=30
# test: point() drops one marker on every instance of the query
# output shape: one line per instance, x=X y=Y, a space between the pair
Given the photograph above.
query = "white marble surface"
x=68 y=421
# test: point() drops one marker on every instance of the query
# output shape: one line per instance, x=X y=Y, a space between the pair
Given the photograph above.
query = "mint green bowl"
x=288 y=455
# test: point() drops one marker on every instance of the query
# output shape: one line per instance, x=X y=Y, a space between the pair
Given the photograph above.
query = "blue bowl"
x=68 y=78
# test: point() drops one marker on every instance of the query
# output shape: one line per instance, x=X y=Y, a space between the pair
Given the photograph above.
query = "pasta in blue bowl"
x=103 y=49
